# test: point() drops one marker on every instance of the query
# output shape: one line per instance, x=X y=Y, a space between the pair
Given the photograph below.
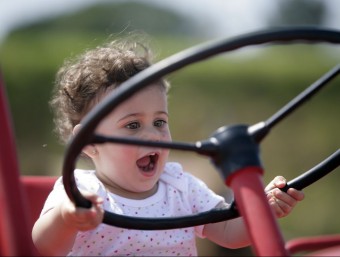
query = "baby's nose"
x=152 y=134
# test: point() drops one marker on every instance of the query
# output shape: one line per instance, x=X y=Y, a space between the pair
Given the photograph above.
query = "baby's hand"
x=82 y=218
x=282 y=203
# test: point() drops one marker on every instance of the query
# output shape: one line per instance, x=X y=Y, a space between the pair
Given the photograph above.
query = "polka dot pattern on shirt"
x=179 y=193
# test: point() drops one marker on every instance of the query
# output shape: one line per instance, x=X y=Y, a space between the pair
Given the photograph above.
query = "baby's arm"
x=55 y=231
x=233 y=233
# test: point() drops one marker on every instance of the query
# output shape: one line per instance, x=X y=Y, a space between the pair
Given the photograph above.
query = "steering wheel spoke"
x=206 y=147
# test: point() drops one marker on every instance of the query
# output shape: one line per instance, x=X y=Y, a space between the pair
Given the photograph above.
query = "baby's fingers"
x=87 y=219
x=296 y=194
x=280 y=207
x=84 y=218
x=282 y=203
x=277 y=182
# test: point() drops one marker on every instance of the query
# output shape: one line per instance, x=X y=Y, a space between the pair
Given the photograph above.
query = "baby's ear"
x=89 y=150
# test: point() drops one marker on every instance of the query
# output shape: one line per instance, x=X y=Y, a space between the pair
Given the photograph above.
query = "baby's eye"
x=159 y=123
x=133 y=125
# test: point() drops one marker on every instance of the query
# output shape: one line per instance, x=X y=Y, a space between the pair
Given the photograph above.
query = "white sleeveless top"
x=179 y=193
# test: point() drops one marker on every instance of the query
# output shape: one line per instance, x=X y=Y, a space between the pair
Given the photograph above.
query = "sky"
x=228 y=16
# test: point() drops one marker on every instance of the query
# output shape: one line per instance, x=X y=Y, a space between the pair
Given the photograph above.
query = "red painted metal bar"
x=315 y=243
x=252 y=203
x=37 y=189
x=15 y=236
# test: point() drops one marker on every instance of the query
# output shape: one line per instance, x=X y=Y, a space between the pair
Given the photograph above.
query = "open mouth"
x=148 y=162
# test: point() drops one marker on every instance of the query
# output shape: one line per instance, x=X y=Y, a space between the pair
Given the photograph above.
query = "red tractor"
x=22 y=197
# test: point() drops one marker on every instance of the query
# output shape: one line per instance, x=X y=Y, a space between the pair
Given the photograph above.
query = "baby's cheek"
x=119 y=153
x=166 y=136
x=128 y=153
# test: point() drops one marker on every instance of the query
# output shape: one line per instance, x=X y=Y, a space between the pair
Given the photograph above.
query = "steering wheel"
x=223 y=147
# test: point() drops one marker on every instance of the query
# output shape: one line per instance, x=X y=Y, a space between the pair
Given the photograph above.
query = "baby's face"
x=133 y=171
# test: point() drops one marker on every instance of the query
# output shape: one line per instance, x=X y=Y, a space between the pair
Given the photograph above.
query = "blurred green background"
x=244 y=86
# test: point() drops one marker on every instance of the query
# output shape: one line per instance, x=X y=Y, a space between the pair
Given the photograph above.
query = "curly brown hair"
x=81 y=81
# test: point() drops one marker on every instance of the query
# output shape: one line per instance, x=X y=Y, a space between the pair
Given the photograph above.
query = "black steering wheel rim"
x=192 y=55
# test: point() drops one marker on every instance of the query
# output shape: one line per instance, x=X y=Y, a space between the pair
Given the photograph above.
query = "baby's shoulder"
x=176 y=176
x=85 y=180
